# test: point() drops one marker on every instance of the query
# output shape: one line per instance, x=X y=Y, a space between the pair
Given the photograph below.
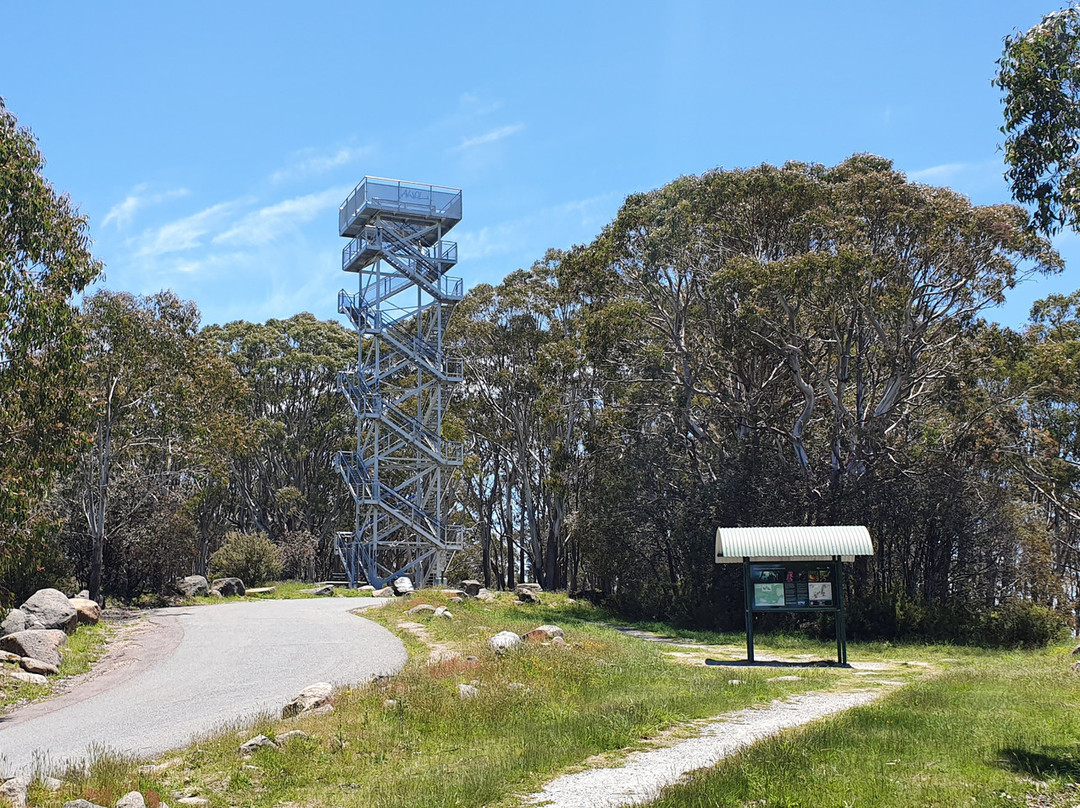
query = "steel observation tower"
x=401 y=472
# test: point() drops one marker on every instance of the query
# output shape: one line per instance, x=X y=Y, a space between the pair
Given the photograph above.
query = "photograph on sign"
x=768 y=594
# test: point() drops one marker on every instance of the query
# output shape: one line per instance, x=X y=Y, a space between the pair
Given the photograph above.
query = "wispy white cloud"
x=267 y=222
x=123 y=213
x=558 y=225
x=493 y=136
x=310 y=163
x=182 y=234
x=942 y=173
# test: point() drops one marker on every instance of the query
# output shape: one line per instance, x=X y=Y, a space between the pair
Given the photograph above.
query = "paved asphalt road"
x=195 y=669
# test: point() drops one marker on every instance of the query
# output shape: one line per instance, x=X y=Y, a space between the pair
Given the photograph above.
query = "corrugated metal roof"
x=736 y=543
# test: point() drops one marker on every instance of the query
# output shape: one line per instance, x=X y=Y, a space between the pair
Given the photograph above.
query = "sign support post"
x=748 y=598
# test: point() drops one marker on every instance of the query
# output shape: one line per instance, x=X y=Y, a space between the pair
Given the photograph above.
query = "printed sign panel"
x=792 y=585
x=768 y=594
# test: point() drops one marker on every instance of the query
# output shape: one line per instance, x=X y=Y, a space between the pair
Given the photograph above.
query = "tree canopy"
x=45 y=259
x=1039 y=73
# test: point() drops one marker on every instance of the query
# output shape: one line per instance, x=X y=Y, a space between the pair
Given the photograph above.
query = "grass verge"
x=414 y=741
x=83 y=647
x=999 y=729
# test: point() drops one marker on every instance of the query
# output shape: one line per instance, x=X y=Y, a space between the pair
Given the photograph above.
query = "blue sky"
x=211 y=143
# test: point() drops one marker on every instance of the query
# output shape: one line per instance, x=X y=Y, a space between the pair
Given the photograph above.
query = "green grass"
x=995 y=730
x=83 y=647
x=602 y=693
x=283 y=590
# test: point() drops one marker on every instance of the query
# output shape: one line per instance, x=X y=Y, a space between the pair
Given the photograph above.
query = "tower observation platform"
x=401 y=473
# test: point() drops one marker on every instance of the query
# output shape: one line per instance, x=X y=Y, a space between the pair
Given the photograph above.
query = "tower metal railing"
x=401 y=473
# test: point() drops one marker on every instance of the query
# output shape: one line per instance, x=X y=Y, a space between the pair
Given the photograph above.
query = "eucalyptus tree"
x=1039 y=73
x=282 y=479
x=44 y=259
x=774 y=341
x=527 y=389
x=160 y=402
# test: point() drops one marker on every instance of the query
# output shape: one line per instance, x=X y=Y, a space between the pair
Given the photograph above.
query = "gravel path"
x=194 y=670
x=640 y=778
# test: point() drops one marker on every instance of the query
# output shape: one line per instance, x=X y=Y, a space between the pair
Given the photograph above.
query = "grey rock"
x=16 y=790
x=531 y=587
x=385 y=592
x=228 y=587
x=310 y=698
x=389 y=704
x=192 y=586
x=483 y=594
x=133 y=799
x=323 y=709
x=82 y=804
x=260 y=590
x=319 y=591
x=30 y=678
x=467 y=691
x=471 y=588
x=43 y=644
x=403 y=586
x=527 y=596
x=444 y=613
x=455 y=600
x=7 y=656
x=52 y=783
x=516 y=686
x=88 y=611
x=291 y=735
x=504 y=641
x=31 y=665
x=253 y=745
x=13 y=622
x=51 y=609
x=83 y=593
x=423 y=608
x=558 y=642
x=550 y=631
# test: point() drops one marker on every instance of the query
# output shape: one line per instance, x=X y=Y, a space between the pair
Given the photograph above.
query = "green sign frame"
x=794 y=585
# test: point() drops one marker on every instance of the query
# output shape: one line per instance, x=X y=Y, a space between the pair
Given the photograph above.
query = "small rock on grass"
x=542 y=634
x=319 y=591
x=467 y=691
x=133 y=799
x=527 y=596
x=82 y=804
x=385 y=592
x=29 y=678
x=290 y=736
x=444 y=613
x=516 y=686
x=504 y=641
x=260 y=590
x=402 y=586
x=253 y=745
x=31 y=665
x=16 y=790
x=310 y=698
x=194 y=801
x=423 y=608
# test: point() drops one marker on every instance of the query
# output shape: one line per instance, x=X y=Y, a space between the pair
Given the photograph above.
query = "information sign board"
x=792 y=585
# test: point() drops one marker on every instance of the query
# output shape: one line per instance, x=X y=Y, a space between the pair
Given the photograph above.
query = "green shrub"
x=1015 y=624
x=251 y=557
